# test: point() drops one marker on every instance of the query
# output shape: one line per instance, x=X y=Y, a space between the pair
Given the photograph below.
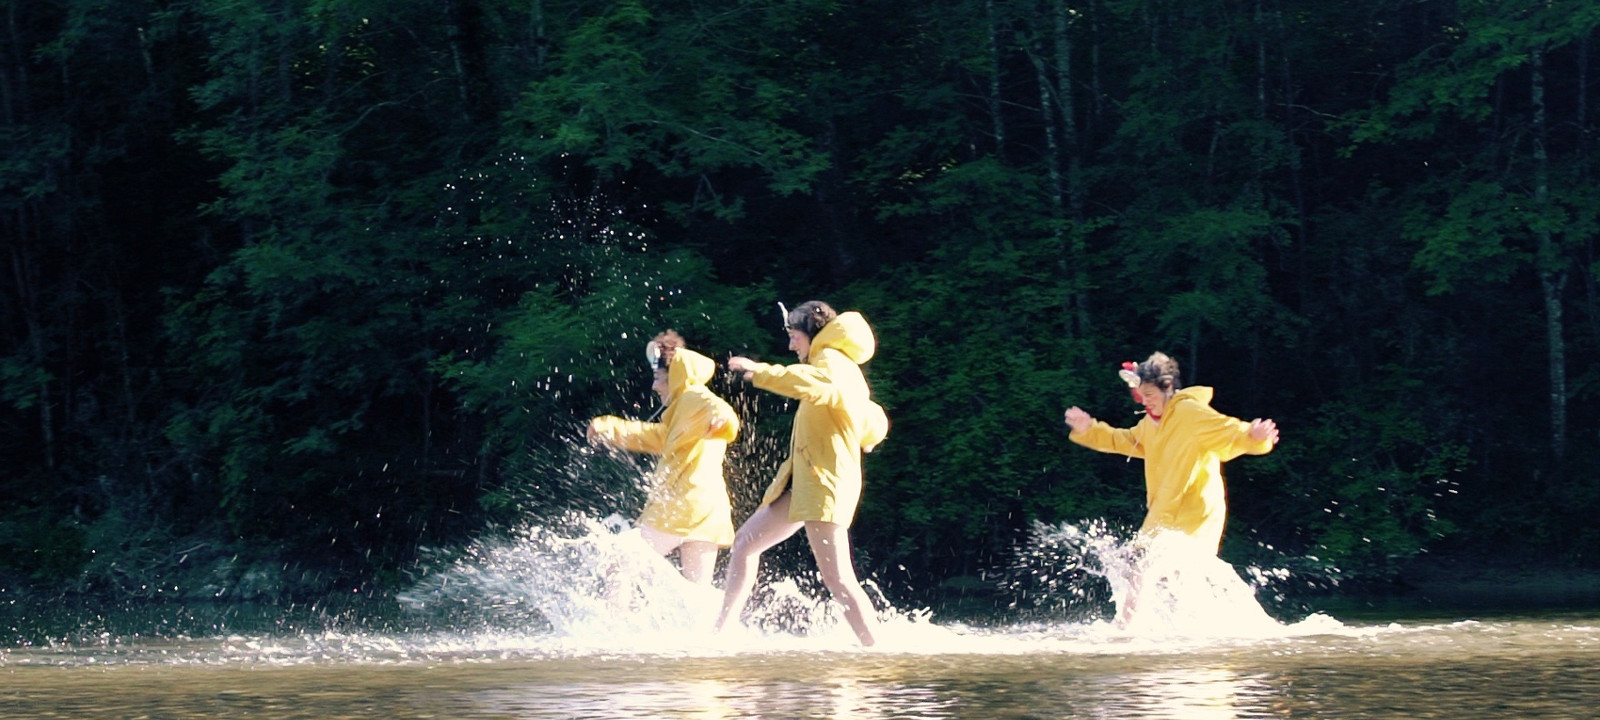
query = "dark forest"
x=300 y=292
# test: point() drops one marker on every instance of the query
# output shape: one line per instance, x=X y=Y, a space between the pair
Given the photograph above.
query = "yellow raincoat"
x=688 y=497
x=836 y=419
x=1183 y=456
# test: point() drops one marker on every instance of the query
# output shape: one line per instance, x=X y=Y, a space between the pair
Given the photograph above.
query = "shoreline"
x=1457 y=585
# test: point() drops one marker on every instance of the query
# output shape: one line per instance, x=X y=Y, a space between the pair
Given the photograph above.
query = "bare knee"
x=831 y=548
x=746 y=546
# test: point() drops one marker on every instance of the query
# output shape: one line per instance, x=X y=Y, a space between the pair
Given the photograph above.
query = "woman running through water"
x=818 y=486
x=688 y=508
x=1183 y=443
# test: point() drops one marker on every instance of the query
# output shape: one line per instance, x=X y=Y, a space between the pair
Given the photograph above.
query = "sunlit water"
x=579 y=622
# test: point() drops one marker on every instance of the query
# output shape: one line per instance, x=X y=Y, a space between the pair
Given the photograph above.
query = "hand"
x=592 y=434
x=1078 y=420
x=1264 y=430
x=742 y=364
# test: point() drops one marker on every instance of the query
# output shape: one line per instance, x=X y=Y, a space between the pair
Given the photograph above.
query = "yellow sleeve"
x=1107 y=439
x=721 y=410
x=811 y=383
x=1228 y=436
x=631 y=435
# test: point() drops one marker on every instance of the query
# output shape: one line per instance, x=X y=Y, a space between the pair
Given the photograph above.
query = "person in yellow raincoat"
x=1183 y=443
x=688 y=508
x=819 y=485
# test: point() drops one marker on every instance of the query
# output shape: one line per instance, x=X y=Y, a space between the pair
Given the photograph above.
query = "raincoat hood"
x=849 y=334
x=1198 y=393
x=688 y=368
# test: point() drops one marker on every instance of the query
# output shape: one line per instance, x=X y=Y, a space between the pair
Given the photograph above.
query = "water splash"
x=1062 y=571
x=577 y=578
x=1176 y=587
x=575 y=588
x=1164 y=585
x=580 y=584
x=584 y=586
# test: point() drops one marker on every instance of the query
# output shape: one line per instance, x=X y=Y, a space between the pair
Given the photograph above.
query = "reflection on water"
x=1532 y=667
x=1200 y=694
x=582 y=626
x=845 y=697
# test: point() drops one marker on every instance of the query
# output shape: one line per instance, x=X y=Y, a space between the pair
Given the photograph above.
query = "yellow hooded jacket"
x=688 y=497
x=836 y=419
x=1183 y=456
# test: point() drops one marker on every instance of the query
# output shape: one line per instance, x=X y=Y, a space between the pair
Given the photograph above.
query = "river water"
x=523 y=630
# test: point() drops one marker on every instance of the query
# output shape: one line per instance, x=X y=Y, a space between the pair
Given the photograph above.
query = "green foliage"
x=630 y=86
x=20 y=382
x=974 y=369
x=1362 y=486
x=331 y=280
x=1205 y=266
x=1475 y=240
x=1483 y=41
x=46 y=547
x=567 y=353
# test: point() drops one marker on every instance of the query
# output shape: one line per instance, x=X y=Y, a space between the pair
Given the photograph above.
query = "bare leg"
x=769 y=526
x=1130 y=604
x=830 y=544
x=661 y=542
x=1138 y=577
x=699 y=559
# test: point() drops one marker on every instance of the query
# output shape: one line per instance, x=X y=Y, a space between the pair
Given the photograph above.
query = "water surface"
x=1538 y=665
x=543 y=629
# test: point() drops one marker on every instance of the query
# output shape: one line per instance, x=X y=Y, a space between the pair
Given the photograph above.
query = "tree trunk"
x=536 y=32
x=1552 y=268
x=1094 y=67
x=1064 y=100
x=286 y=47
x=23 y=273
x=1048 y=104
x=1583 y=90
x=995 y=106
x=1052 y=154
x=1261 y=61
x=1297 y=183
x=1076 y=250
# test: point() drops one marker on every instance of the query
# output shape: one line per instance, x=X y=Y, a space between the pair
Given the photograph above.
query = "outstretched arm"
x=1229 y=435
x=629 y=435
x=1096 y=435
x=812 y=383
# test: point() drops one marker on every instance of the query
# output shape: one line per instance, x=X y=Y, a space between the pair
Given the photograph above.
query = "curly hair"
x=810 y=317
x=1161 y=371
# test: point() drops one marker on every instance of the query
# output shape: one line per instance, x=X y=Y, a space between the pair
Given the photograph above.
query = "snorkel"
x=652 y=356
x=800 y=325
